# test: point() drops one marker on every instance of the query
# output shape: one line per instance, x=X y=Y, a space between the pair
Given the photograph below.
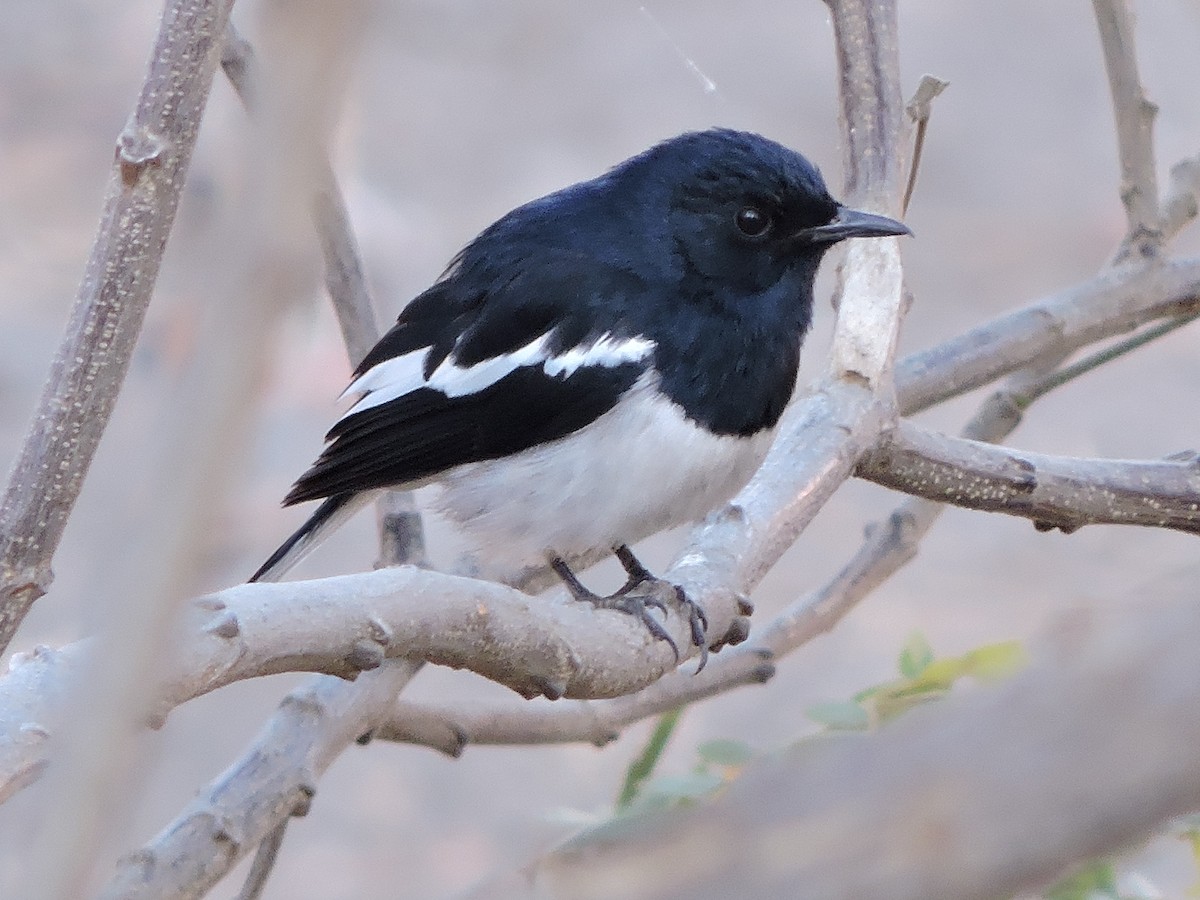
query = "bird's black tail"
x=331 y=513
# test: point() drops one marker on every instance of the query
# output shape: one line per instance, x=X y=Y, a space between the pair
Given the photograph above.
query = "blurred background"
x=461 y=109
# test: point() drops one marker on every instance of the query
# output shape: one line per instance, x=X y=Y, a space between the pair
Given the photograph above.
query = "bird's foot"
x=641 y=593
x=637 y=601
x=639 y=575
x=658 y=589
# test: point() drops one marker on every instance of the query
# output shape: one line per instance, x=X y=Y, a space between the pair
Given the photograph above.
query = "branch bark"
x=1055 y=492
x=149 y=168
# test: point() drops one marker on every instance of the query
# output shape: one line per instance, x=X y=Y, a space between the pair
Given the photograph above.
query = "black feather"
x=424 y=432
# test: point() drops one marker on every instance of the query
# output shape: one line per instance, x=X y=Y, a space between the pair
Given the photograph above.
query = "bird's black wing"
x=470 y=375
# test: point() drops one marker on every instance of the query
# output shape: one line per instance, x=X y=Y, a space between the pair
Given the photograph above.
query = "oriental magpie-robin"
x=598 y=365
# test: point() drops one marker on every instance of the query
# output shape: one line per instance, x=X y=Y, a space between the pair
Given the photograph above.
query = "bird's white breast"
x=638 y=469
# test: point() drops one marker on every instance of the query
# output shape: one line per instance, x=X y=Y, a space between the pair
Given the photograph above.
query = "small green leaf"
x=725 y=753
x=994 y=661
x=842 y=716
x=915 y=655
x=939 y=675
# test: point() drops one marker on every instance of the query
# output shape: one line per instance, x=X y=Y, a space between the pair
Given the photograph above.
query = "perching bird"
x=598 y=365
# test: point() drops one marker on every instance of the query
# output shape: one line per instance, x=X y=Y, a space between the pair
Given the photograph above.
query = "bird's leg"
x=623 y=600
x=639 y=575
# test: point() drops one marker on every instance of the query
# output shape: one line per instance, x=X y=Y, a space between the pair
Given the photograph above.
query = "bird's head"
x=747 y=214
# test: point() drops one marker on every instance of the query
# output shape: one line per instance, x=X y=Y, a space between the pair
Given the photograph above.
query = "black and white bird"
x=598 y=365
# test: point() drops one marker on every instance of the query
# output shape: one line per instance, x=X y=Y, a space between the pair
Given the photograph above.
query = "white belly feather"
x=638 y=469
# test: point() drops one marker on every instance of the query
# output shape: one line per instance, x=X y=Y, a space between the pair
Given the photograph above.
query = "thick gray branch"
x=150 y=164
x=1056 y=492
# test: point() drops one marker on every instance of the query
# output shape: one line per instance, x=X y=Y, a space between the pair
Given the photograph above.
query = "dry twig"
x=1135 y=130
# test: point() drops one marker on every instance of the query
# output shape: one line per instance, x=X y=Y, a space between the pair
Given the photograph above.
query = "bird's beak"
x=849 y=223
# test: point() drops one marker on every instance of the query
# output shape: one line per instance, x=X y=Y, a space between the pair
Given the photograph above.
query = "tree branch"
x=280 y=770
x=919 y=109
x=1056 y=492
x=451 y=727
x=871 y=291
x=152 y=156
x=345 y=279
x=1135 y=130
x=1113 y=302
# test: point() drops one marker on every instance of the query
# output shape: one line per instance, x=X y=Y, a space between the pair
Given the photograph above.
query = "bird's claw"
x=697 y=620
x=636 y=601
x=641 y=593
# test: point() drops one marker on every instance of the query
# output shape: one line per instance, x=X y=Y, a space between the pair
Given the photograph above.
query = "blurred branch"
x=345 y=279
x=1135 y=130
x=280 y=770
x=1082 y=753
x=152 y=156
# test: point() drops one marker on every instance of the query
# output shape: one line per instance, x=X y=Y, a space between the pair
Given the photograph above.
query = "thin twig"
x=1100 y=357
x=451 y=728
x=264 y=863
x=1135 y=130
x=919 y=108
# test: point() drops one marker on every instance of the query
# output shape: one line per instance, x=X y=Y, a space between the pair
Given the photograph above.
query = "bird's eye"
x=752 y=221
